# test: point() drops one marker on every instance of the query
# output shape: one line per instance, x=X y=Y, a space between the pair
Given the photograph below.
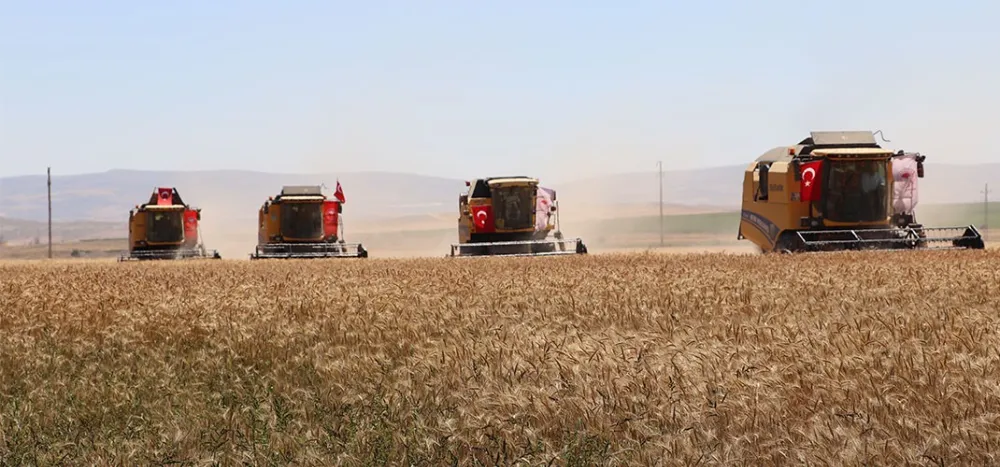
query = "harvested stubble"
x=883 y=358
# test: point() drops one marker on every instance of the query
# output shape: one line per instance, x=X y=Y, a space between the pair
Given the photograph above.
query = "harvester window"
x=481 y=189
x=302 y=220
x=762 y=181
x=856 y=191
x=514 y=206
x=165 y=226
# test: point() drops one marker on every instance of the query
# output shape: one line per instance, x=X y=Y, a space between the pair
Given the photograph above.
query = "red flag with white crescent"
x=339 y=193
x=482 y=218
x=810 y=180
x=330 y=217
x=190 y=227
x=164 y=196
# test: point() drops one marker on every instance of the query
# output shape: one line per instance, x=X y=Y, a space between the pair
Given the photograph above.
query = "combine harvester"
x=302 y=223
x=510 y=216
x=165 y=228
x=840 y=190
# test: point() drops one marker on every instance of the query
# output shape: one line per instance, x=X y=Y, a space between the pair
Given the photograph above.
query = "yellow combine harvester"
x=165 y=228
x=839 y=190
x=302 y=223
x=510 y=216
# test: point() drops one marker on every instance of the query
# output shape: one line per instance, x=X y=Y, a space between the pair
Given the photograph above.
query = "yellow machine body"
x=164 y=228
x=832 y=191
x=500 y=216
x=302 y=223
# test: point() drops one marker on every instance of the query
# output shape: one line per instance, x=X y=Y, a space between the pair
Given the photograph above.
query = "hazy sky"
x=557 y=89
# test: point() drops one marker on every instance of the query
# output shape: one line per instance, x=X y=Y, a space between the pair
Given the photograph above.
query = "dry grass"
x=885 y=358
x=91 y=249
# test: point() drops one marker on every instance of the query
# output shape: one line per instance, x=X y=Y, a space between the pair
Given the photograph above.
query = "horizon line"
x=390 y=172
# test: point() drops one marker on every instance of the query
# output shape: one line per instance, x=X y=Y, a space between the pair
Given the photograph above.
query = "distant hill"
x=710 y=187
x=722 y=186
x=228 y=194
x=235 y=195
x=22 y=231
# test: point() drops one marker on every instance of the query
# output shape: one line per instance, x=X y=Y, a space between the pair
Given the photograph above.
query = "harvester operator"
x=872 y=188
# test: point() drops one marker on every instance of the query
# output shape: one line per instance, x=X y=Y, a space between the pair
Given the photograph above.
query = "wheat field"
x=847 y=358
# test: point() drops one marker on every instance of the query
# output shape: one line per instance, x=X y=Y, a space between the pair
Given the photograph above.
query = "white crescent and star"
x=813 y=176
x=481 y=218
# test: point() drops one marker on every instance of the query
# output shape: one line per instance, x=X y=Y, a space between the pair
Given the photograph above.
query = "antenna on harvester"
x=881 y=135
x=49 y=174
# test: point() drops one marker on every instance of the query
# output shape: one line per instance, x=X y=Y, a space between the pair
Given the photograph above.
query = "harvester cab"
x=510 y=216
x=302 y=223
x=165 y=228
x=839 y=190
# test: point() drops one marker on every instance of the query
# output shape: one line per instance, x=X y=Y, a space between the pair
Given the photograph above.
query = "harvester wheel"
x=788 y=243
x=922 y=242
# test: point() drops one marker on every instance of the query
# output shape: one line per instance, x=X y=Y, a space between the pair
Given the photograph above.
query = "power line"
x=659 y=164
x=986 y=211
x=49 y=173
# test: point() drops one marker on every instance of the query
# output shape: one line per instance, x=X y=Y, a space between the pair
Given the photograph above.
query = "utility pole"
x=986 y=211
x=659 y=164
x=49 y=172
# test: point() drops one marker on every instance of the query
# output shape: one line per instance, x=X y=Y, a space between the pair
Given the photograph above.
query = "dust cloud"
x=228 y=215
x=933 y=111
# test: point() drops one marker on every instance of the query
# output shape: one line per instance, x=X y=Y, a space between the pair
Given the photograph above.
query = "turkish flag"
x=482 y=218
x=190 y=226
x=339 y=193
x=810 y=180
x=164 y=196
x=330 y=218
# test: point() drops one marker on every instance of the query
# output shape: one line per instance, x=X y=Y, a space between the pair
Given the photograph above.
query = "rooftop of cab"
x=826 y=142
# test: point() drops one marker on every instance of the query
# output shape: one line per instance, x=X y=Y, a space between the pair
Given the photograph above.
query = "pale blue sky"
x=463 y=89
